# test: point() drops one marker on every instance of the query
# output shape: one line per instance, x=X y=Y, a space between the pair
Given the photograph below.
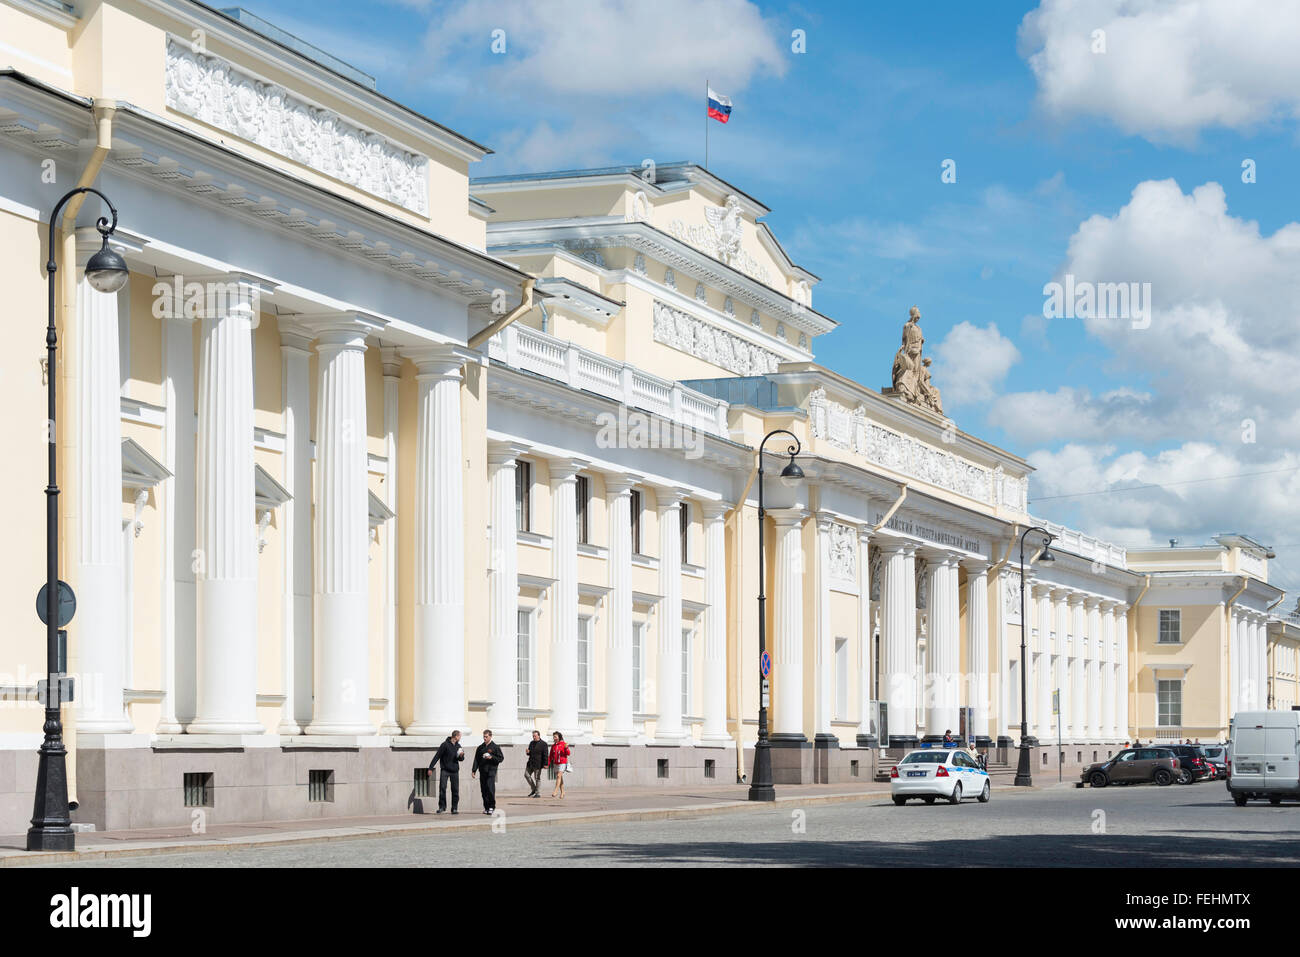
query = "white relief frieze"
x=213 y=91
x=675 y=328
x=720 y=238
x=843 y=554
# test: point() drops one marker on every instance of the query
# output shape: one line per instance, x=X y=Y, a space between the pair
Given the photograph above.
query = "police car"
x=948 y=773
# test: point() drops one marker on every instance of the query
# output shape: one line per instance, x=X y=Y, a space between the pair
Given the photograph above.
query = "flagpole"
x=706 y=122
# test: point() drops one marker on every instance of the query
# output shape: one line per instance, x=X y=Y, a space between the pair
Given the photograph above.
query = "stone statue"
x=911 y=373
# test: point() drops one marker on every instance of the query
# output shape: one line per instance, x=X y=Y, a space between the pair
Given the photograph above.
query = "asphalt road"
x=1132 y=826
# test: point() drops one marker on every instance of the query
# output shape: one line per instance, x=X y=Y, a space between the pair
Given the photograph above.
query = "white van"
x=1264 y=760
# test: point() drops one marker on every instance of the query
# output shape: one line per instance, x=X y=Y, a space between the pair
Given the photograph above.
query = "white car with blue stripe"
x=930 y=773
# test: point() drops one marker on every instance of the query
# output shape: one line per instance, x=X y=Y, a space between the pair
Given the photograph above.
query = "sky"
x=959 y=157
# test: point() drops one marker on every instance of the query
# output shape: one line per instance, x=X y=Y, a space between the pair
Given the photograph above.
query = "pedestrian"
x=448 y=758
x=947 y=738
x=487 y=758
x=558 y=759
x=983 y=760
x=536 y=764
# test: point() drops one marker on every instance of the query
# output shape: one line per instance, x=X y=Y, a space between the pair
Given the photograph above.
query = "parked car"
x=1265 y=756
x=930 y=773
x=1192 y=766
x=1217 y=755
x=1133 y=766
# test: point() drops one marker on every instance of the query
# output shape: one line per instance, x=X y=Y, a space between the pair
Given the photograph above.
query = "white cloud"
x=607 y=48
x=1171 y=67
x=971 y=363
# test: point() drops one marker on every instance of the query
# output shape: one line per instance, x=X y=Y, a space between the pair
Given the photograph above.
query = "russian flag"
x=719 y=106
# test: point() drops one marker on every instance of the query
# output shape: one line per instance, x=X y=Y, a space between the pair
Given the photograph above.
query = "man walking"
x=447 y=759
x=487 y=758
x=536 y=764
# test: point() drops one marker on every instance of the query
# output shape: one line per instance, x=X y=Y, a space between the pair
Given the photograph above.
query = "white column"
x=668 y=726
x=618 y=659
x=564 y=619
x=226 y=645
x=1122 y=689
x=1093 y=607
x=177 y=495
x=503 y=590
x=341 y=673
x=1109 y=673
x=1061 y=665
x=1257 y=695
x=898 y=633
x=864 y=635
x=295 y=518
x=787 y=653
x=1045 y=663
x=1003 y=654
x=977 y=657
x=1234 y=661
x=98 y=633
x=439 y=664
x=392 y=422
x=1078 y=665
x=715 y=624
x=942 y=648
x=824 y=685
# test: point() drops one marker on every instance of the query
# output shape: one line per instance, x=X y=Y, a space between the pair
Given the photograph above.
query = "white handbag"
x=568 y=767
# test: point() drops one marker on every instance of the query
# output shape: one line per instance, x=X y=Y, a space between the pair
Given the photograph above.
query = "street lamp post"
x=760 y=787
x=1024 y=774
x=51 y=828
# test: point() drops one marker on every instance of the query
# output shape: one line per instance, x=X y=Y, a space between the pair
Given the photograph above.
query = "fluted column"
x=1061 y=663
x=1255 y=700
x=788 y=595
x=715 y=624
x=179 y=616
x=99 y=636
x=1092 y=663
x=439 y=663
x=824 y=685
x=392 y=420
x=296 y=531
x=1234 y=660
x=866 y=735
x=564 y=604
x=619 y=727
x=341 y=675
x=503 y=591
x=899 y=636
x=977 y=657
x=668 y=726
x=1045 y=663
x=1122 y=689
x=1108 y=673
x=1078 y=665
x=226 y=578
x=944 y=649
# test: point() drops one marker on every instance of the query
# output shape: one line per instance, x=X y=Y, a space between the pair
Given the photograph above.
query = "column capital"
x=669 y=497
x=974 y=566
x=713 y=510
x=391 y=357
x=1076 y=598
x=339 y=330
x=788 y=516
x=1092 y=602
x=892 y=546
x=504 y=453
x=565 y=468
x=440 y=360
x=619 y=482
x=866 y=532
x=295 y=339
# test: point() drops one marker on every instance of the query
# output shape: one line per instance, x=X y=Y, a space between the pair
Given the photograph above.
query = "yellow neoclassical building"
x=367 y=450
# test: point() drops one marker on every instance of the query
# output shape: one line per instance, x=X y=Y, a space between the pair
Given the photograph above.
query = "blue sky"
x=846 y=141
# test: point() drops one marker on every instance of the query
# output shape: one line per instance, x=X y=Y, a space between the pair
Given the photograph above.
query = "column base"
x=358 y=730
x=823 y=741
x=112 y=726
x=867 y=741
x=1030 y=741
x=932 y=739
x=1005 y=742
x=673 y=739
x=619 y=738
x=983 y=741
x=216 y=727
x=717 y=740
x=787 y=739
x=905 y=741
x=428 y=729
x=169 y=727
x=390 y=728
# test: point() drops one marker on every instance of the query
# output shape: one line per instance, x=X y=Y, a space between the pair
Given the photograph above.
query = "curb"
x=22 y=859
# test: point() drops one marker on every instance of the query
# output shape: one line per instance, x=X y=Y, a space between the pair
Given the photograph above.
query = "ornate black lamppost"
x=1024 y=775
x=760 y=787
x=51 y=828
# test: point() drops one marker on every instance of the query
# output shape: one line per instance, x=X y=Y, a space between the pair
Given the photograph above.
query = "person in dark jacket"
x=536 y=764
x=448 y=758
x=487 y=758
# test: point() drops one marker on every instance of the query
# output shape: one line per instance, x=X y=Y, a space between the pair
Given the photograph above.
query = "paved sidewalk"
x=622 y=804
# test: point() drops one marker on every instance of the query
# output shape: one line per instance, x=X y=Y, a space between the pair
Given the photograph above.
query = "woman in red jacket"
x=559 y=759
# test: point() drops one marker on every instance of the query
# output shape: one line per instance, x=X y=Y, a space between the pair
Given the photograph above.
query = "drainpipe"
x=103 y=111
x=1128 y=646
x=884 y=519
x=525 y=303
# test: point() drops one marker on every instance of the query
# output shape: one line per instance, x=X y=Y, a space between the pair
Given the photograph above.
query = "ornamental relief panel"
x=696 y=337
x=849 y=429
x=720 y=238
x=213 y=91
x=843 y=548
x=1011 y=598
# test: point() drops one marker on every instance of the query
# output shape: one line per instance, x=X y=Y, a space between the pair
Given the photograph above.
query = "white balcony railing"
x=1085 y=546
x=521 y=347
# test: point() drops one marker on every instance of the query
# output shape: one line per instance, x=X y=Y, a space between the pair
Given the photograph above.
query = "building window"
x=841 y=678
x=523 y=496
x=685 y=512
x=638 y=665
x=636 y=522
x=423 y=780
x=662 y=767
x=1169 y=702
x=198 y=789
x=584 y=664
x=710 y=768
x=611 y=769
x=1170 y=627
x=320 y=786
x=688 y=677
x=583 y=496
x=524 y=657
x=853 y=769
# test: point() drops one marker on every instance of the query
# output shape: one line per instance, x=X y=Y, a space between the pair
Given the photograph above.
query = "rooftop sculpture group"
x=911 y=374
